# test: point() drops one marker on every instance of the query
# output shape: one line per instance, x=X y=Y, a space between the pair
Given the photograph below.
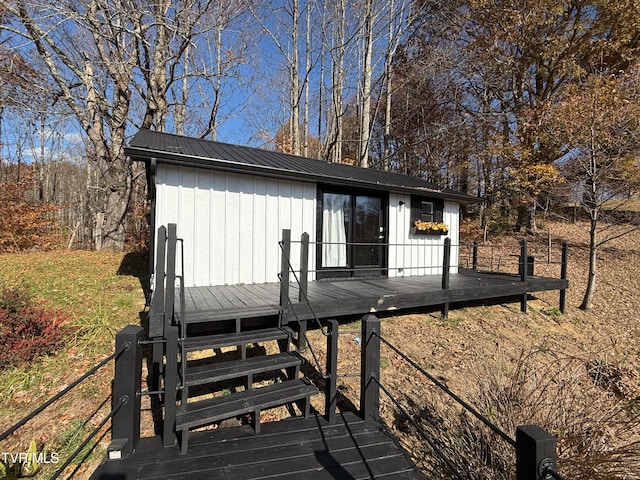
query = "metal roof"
x=195 y=152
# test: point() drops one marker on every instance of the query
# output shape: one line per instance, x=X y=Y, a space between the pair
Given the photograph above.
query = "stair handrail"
x=323 y=329
x=183 y=322
x=303 y=332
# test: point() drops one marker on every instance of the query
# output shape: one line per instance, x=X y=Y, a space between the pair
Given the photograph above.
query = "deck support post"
x=535 y=452
x=170 y=387
x=563 y=276
x=523 y=267
x=370 y=369
x=474 y=258
x=284 y=273
x=125 y=424
x=446 y=261
x=331 y=393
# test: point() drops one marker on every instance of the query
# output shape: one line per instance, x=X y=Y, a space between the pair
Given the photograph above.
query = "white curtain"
x=334 y=236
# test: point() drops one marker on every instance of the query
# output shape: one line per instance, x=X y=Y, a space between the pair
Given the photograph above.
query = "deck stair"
x=283 y=366
x=201 y=355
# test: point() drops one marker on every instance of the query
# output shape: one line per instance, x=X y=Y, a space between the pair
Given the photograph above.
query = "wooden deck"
x=296 y=448
x=342 y=297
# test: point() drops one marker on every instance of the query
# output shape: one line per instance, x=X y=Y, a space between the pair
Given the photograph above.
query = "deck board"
x=294 y=448
x=357 y=296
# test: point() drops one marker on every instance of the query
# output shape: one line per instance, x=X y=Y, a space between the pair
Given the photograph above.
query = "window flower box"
x=429 y=228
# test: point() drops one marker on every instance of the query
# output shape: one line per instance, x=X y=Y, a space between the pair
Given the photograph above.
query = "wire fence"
x=424 y=258
x=41 y=408
x=547 y=470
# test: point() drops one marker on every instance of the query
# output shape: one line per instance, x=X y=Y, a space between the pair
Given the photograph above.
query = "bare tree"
x=285 y=36
x=367 y=73
x=98 y=53
x=597 y=123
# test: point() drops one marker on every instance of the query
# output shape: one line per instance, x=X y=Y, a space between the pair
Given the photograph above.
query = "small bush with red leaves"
x=27 y=329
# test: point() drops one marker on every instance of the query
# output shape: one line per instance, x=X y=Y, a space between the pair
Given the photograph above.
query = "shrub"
x=595 y=421
x=27 y=330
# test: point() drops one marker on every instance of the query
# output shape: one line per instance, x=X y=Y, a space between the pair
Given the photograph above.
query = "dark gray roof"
x=179 y=150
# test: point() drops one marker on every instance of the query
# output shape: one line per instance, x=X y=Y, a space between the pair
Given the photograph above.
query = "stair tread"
x=200 y=413
x=216 y=372
x=230 y=313
x=241 y=338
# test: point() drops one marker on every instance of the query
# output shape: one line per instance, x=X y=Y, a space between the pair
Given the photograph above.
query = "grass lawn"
x=99 y=293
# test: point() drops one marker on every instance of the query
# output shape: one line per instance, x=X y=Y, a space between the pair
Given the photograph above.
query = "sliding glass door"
x=351 y=234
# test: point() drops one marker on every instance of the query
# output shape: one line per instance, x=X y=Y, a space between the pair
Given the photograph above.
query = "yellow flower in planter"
x=431 y=227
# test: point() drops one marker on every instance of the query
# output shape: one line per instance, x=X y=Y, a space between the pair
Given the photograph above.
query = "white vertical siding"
x=418 y=254
x=231 y=223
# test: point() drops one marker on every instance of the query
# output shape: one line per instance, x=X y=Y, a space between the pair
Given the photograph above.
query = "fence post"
x=563 y=276
x=284 y=271
x=523 y=274
x=446 y=261
x=370 y=369
x=474 y=258
x=125 y=424
x=331 y=394
x=535 y=452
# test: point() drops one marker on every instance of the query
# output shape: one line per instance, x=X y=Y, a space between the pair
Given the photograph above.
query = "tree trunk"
x=587 y=300
x=334 y=150
x=295 y=83
x=365 y=121
x=526 y=222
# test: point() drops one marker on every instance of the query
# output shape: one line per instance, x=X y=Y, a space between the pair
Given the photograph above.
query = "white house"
x=231 y=203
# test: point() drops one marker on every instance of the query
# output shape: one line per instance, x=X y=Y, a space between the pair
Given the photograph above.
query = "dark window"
x=426 y=209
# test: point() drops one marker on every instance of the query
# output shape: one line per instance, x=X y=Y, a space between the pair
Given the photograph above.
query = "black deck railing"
x=535 y=449
x=125 y=402
x=522 y=263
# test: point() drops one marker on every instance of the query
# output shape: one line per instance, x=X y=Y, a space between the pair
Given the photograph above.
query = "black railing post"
x=284 y=271
x=446 y=264
x=156 y=308
x=563 y=276
x=535 y=452
x=170 y=288
x=331 y=394
x=474 y=258
x=125 y=424
x=370 y=369
x=523 y=267
x=170 y=387
x=304 y=266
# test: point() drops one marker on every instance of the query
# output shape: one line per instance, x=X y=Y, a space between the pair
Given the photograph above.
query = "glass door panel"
x=367 y=235
x=352 y=237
